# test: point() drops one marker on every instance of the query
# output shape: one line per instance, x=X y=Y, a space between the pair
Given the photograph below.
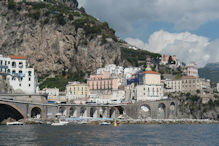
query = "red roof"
x=17 y=57
x=151 y=72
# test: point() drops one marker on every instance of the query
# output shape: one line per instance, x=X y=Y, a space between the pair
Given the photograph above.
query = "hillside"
x=210 y=71
x=60 y=41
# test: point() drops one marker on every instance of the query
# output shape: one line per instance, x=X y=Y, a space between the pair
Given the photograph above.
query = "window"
x=29 y=85
x=29 y=73
x=13 y=64
x=29 y=79
x=20 y=85
x=13 y=72
x=20 y=65
x=8 y=62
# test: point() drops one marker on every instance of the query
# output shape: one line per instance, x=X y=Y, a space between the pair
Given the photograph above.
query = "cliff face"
x=51 y=46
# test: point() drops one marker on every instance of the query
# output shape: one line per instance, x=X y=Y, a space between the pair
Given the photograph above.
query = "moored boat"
x=60 y=123
x=105 y=123
x=15 y=123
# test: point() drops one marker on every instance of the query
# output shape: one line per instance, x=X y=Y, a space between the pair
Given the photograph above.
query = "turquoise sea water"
x=108 y=135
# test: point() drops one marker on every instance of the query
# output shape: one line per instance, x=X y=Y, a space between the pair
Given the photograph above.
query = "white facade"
x=152 y=88
x=173 y=85
x=149 y=92
x=51 y=91
x=128 y=72
x=21 y=78
x=115 y=97
x=112 y=69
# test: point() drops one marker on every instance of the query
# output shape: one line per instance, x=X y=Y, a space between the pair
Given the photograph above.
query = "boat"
x=15 y=123
x=60 y=123
x=105 y=123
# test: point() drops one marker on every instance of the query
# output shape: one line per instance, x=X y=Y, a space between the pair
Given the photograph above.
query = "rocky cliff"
x=191 y=106
x=56 y=38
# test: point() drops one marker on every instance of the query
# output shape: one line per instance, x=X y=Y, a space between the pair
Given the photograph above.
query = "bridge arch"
x=36 y=112
x=73 y=112
x=93 y=112
x=9 y=110
x=121 y=110
x=172 y=110
x=161 y=113
x=63 y=110
x=103 y=112
x=83 y=112
x=145 y=111
x=112 y=112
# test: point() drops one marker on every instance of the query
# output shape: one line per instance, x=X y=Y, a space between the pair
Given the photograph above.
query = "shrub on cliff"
x=11 y=4
x=60 y=19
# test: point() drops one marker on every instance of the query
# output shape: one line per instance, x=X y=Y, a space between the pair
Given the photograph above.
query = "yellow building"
x=77 y=90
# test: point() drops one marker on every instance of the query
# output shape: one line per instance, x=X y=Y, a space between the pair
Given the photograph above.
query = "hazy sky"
x=188 y=29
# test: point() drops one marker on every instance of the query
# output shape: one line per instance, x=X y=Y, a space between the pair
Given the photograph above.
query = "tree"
x=170 y=60
x=82 y=9
x=61 y=19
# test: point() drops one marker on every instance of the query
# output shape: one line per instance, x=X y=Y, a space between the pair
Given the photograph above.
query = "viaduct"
x=18 y=106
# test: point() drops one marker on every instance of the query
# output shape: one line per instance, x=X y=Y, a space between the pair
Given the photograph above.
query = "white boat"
x=105 y=123
x=15 y=123
x=60 y=123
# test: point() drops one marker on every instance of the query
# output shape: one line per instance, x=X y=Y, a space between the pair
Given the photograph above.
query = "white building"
x=112 y=69
x=52 y=92
x=21 y=78
x=115 y=97
x=152 y=88
x=128 y=72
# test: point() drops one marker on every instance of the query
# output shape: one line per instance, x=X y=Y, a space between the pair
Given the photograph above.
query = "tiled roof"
x=17 y=57
x=151 y=72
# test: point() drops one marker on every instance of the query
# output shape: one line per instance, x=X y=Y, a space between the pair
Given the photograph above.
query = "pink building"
x=103 y=81
x=191 y=70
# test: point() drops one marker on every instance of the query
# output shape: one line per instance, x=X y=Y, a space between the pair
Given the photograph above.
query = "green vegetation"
x=60 y=19
x=212 y=74
x=11 y=4
x=60 y=81
x=35 y=15
x=54 y=9
x=134 y=56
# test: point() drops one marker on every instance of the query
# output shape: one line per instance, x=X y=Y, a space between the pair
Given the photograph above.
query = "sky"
x=188 y=29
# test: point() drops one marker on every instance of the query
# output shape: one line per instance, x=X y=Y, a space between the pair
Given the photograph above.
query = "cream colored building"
x=192 y=84
x=77 y=90
x=173 y=86
x=152 y=78
x=152 y=88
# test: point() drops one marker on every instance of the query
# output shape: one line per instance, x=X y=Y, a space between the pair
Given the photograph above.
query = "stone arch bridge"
x=19 y=106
